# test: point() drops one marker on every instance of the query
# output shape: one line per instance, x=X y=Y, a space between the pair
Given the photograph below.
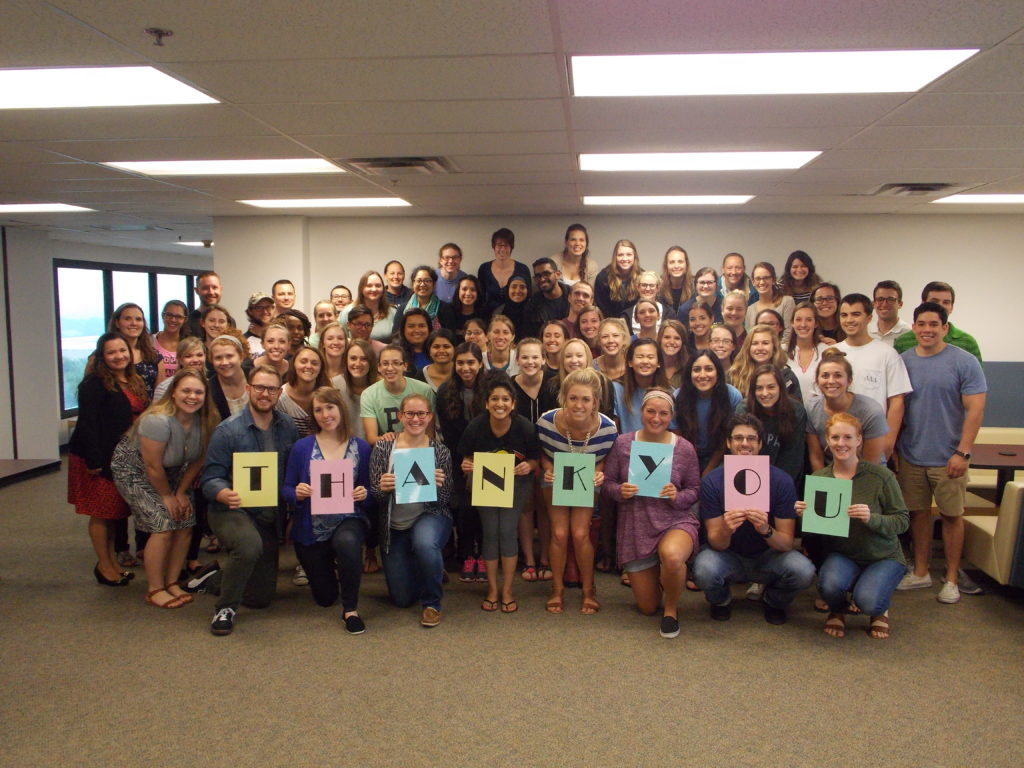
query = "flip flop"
x=489 y=605
x=510 y=607
x=529 y=573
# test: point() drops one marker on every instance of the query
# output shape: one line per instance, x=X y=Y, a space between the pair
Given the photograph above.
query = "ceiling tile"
x=960 y=109
x=355 y=145
x=938 y=137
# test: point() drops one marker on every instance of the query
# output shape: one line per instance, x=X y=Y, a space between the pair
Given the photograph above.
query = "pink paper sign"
x=746 y=483
x=332 y=483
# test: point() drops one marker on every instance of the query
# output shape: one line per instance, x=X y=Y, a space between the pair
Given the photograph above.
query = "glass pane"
x=169 y=287
x=132 y=287
x=80 y=293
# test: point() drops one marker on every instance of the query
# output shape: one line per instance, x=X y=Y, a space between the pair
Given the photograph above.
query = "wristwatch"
x=962 y=454
x=769 y=534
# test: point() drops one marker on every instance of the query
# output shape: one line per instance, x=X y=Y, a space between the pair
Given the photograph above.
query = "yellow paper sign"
x=494 y=482
x=254 y=478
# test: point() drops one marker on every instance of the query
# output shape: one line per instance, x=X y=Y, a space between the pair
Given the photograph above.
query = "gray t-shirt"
x=180 y=447
x=864 y=409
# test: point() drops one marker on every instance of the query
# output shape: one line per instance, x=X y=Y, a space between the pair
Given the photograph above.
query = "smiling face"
x=625 y=258
x=116 y=355
x=264 y=392
x=798 y=270
x=763 y=282
x=703 y=375
x=733 y=268
x=762 y=347
x=358 y=363
x=296 y=332
x=706 y=285
x=441 y=350
x=500 y=336
x=502 y=250
x=449 y=262
x=194 y=360
x=648 y=286
x=744 y=441
x=416 y=330
x=517 y=291
x=415 y=416
x=700 y=321
x=590 y=325
x=580 y=296
x=645 y=361
x=580 y=404
x=467 y=293
x=576 y=242
x=887 y=304
x=854 y=318
x=766 y=391
x=646 y=315
x=466 y=368
x=174 y=317
x=671 y=342
x=209 y=290
x=476 y=333
x=656 y=416
x=324 y=314
x=227 y=361
x=284 y=296
x=276 y=344
x=554 y=339
x=394 y=273
x=546 y=278
x=500 y=404
x=214 y=324
x=341 y=298
x=611 y=339
x=734 y=309
x=334 y=343
x=803 y=323
x=327 y=415
x=844 y=441
x=930 y=331
x=131 y=323
x=530 y=358
x=189 y=395
x=722 y=344
x=825 y=302
x=574 y=356
x=391 y=365
x=360 y=326
x=262 y=312
x=422 y=285
x=832 y=380
x=307 y=365
x=374 y=287
x=676 y=263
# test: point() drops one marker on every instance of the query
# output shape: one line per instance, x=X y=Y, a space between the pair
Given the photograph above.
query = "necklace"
x=568 y=439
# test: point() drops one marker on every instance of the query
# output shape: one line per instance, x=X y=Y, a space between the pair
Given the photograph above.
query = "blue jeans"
x=782 y=573
x=872 y=585
x=413 y=565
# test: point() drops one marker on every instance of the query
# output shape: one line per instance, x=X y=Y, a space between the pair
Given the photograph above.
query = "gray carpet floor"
x=92 y=676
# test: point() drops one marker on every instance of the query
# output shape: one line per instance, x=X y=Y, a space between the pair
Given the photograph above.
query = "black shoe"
x=669 y=627
x=101 y=579
x=223 y=622
x=774 y=615
x=354 y=625
x=195 y=584
x=721 y=612
x=967 y=585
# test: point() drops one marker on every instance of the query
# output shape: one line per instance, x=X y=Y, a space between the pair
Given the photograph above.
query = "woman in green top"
x=869 y=562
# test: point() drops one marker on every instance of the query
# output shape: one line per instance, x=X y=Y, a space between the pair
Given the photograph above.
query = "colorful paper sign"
x=254 y=478
x=414 y=475
x=746 y=483
x=574 y=479
x=828 y=503
x=650 y=467
x=494 y=480
x=332 y=483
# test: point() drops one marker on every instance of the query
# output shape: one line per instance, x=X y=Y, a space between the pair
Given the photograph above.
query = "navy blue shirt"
x=746 y=541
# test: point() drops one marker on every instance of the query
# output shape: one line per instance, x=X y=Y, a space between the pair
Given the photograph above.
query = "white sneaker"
x=912 y=581
x=300 y=579
x=754 y=591
x=949 y=593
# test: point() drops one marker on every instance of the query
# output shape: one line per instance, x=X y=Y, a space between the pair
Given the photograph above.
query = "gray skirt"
x=147 y=507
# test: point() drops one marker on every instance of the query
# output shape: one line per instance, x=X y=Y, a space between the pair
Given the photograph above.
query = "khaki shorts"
x=919 y=484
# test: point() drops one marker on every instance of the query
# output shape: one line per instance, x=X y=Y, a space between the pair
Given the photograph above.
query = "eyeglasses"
x=825 y=300
x=648 y=285
x=543 y=275
x=745 y=438
x=391 y=363
x=763 y=279
x=361 y=324
x=171 y=316
x=422 y=281
x=886 y=299
x=451 y=258
x=416 y=414
x=262 y=389
x=705 y=282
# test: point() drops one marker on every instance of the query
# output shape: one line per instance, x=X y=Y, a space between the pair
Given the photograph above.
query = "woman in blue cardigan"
x=330 y=547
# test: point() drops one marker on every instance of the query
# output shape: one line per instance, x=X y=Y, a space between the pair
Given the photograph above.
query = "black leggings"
x=336 y=565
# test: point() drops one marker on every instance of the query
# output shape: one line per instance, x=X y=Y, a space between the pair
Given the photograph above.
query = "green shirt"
x=875 y=540
x=954 y=336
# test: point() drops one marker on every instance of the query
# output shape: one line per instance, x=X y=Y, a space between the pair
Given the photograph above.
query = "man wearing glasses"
x=449 y=271
x=249 y=534
x=551 y=299
x=887 y=325
x=259 y=312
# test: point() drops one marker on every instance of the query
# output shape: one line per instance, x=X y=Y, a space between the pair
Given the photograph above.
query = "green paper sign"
x=574 y=480
x=828 y=499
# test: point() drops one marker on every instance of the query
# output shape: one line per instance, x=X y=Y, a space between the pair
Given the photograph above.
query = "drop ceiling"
x=484 y=84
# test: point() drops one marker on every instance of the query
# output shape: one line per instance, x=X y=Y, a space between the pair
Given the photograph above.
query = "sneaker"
x=223 y=621
x=912 y=581
x=949 y=593
x=467 y=573
x=774 y=615
x=431 y=617
x=967 y=585
x=300 y=579
x=721 y=612
x=754 y=591
x=481 y=571
x=198 y=582
x=669 y=627
x=354 y=625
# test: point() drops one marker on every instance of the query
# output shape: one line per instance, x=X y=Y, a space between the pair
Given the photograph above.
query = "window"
x=88 y=293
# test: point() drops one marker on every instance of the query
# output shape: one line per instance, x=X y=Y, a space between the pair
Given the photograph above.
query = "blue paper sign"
x=650 y=467
x=414 y=475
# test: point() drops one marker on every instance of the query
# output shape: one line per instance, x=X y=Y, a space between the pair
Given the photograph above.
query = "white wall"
x=30 y=256
x=980 y=255
x=6 y=414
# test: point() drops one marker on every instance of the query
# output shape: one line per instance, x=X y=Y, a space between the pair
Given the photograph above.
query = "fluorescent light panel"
x=42 y=208
x=982 y=199
x=227 y=167
x=696 y=161
x=331 y=202
x=729 y=74
x=93 y=87
x=666 y=199
x=193 y=243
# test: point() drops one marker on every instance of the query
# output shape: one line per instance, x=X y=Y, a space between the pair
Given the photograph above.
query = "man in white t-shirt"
x=878 y=370
x=887 y=324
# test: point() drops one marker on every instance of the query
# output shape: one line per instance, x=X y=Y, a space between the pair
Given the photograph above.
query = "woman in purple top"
x=656 y=536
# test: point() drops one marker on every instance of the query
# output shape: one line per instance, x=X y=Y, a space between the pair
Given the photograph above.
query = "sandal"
x=555 y=602
x=544 y=573
x=172 y=603
x=835 y=625
x=604 y=564
x=530 y=573
x=624 y=580
x=822 y=607
x=489 y=605
x=590 y=605
x=510 y=607
x=878 y=628
x=184 y=597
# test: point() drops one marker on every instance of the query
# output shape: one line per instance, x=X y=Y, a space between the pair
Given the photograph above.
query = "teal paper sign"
x=650 y=467
x=574 y=480
x=828 y=499
x=414 y=475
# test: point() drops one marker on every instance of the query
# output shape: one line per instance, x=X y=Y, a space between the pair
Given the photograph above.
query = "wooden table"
x=1005 y=458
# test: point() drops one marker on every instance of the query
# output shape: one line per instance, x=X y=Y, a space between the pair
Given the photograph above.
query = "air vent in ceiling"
x=401 y=166
x=914 y=189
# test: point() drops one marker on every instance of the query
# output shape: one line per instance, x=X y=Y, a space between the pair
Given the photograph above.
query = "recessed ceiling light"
x=42 y=208
x=666 y=199
x=227 y=167
x=696 y=161
x=712 y=74
x=990 y=199
x=93 y=87
x=195 y=243
x=335 y=202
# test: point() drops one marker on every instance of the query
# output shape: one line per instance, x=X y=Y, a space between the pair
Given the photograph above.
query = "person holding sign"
x=750 y=544
x=500 y=430
x=657 y=529
x=869 y=562
x=247 y=531
x=330 y=545
x=576 y=427
x=414 y=533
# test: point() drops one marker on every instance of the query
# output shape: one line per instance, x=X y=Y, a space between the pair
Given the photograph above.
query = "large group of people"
x=557 y=359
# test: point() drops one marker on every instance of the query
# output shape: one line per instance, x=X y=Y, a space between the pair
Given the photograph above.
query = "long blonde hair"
x=742 y=369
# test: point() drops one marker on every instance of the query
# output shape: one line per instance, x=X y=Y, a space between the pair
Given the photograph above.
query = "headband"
x=653 y=393
x=225 y=337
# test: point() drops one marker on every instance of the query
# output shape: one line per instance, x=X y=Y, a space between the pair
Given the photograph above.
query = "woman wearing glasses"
x=423 y=297
x=379 y=403
x=706 y=291
x=825 y=299
x=370 y=296
x=165 y=342
x=768 y=296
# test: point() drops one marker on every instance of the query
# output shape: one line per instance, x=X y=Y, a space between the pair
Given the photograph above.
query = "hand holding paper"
x=827 y=506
